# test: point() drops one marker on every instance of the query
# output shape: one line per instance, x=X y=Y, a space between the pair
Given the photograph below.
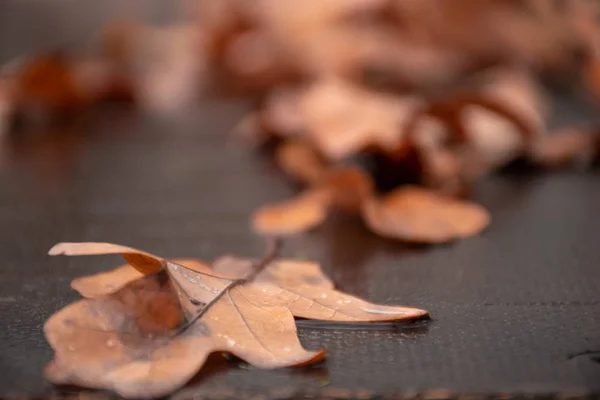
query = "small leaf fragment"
x=289 y=217
x=416 y=215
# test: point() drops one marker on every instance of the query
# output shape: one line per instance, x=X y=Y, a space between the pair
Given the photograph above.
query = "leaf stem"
x=273 y=248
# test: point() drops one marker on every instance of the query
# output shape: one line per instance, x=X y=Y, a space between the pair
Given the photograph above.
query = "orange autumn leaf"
x=507 y=117
x=345 y=188
x=151 y=336
x=342 y=119
x=129 y=341
x=417 y=215
x=289 y=217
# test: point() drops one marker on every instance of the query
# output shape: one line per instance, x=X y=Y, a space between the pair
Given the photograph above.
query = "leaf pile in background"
x=421 y=92
x=146 y=328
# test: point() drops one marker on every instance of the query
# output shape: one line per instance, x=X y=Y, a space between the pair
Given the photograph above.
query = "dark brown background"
x=513 y=309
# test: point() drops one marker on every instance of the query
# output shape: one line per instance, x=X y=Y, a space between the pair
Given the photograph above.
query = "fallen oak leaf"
x=304 y=212
x=468 y=135
x=129 y=342
x=500 y=135
x=345 y=188
x=150 y=337
x=284 y=273
x=342 y=119
x=417 y=215
x=289 y=283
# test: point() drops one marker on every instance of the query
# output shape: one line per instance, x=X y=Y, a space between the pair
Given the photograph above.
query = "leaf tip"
x=319 y=355
x=418 y=313
x=59 y=249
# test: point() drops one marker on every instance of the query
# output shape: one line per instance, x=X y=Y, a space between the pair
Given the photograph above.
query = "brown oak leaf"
x=150 y=336
x=302 y=213
x=344 y=188
x=417 y=215
x=343 y=119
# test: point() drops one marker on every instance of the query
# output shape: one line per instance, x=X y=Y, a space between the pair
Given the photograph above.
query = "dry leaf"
x=416 y=215
x=497 y=136
x=151 y=336
x=289 y=217
x=345 y=188
x=342 y=119
x=463 y=138
x=300 y=161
